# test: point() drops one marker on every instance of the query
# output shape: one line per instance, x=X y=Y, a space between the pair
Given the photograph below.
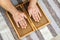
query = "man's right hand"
x=19 y=18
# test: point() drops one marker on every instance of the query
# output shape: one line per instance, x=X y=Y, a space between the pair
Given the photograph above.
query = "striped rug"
x=52 y=10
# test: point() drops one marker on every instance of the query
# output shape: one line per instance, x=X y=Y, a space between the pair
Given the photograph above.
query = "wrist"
x=14 y=12
x=32 y=2
x=32 y=5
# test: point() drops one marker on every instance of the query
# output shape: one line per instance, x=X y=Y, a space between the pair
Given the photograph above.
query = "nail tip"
x=23 y=27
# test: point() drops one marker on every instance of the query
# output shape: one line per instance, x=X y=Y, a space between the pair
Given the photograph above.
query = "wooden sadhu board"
x=32 y=25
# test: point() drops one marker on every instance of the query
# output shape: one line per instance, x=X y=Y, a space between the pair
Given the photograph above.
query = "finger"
x=25 y=24
x=20 y=22
x=38 y=17
x=34 y=17
x=39 y=13
x=24 y=15
x=17 y=24
x=29 y=12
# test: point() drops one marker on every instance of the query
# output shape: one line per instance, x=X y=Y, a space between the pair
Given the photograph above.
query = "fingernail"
x=18 y=26
x=38 y=21
x=23 y=27
x=41 y=15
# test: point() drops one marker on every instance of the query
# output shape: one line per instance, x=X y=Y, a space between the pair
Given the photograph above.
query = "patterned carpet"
x=52 y=10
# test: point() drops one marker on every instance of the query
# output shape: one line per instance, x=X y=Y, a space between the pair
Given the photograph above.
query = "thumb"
x=29 y=13
x=24 y=15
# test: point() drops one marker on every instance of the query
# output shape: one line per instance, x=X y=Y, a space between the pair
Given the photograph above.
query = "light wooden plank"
x=46 y=33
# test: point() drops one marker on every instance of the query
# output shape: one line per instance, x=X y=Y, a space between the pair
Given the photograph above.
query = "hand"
x=34 y=12
x=19 y=18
